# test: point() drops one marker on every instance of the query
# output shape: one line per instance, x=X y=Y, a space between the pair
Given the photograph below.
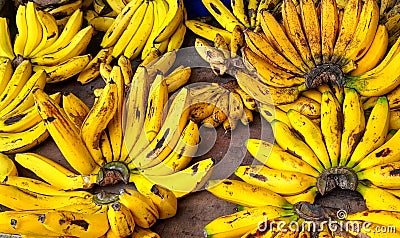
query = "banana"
x=287 y=140
x=136 y=105
x=75 y=109
x=20 y=199
x=249 y=102
x=64 y=133
x=19 y=78
x=269 y=74
x=105 y=71
x=24 y=223
x=275 y=157
x=92 y=68
x=144 y=212
x=21 y=37
x=200 y=111
x=77 y=224
x=331 y=126
x=34 y=29
x=181 y=155
x=263 y=93
x=177 y=79
x=279 y=181
x=65 y=9
x=221 y=45
x=207 y=31
x=101 y=23
x=168 y=135
x=126 y=69
x=177 y=38
x=138 y=41
x=130 y=30
x=389 y=218
x=306 y=196
x=312 y=30
x=305 y=106
x=117 y=5
x=174 y=17
x=222 y=14
x=238 y=10
x=59 y=177
x=21 y=141
x=66 y=69
x=50 y=31
x=263 y=228
x=37 y=186
x=296 y=35
x=378 y=198
x=364 y=33
x=312 y=135
x=369 y=103
x=115 y=126
x=252 y=11
x=237 y=224
x=120 y=23
x=6 y=49
x=237 y=41
x=71 y=28
x=162 y=63
x=329 y=28
x=353 y=125
x=245 y=194
x=24 y=99
x=268 y=6
x=144 y=233
x=393 y=98
x=385 y=153
x=277 y=37
x=383 y=175
x=394 y=123
x=375 y=132
x=347 y=29
x=235 y=109
x=77 y=46
x=186 y=181
x=163 y=198
x=97 y=120
x=157 y=103
x=7 y=167
x=375 y=53
x=120 y=219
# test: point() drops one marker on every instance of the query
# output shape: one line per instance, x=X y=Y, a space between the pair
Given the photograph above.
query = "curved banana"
x=222 y=14
x=92 y=69
x=50 y=31
x=207 y=31
x=6 y=49
x=245 y=194
x=304 y=105
x=383 y=175
x=120 y=219
x=306 y=196
x=329 y=28
x=375 y=132
x=144 y=233
x=34 y=29
x=7 y=167
x=75 y=109
x=171 y=22
x=279 y=181
x=21 y=37
x=312 y=30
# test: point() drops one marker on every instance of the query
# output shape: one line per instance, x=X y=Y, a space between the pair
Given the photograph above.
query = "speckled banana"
x=305 y=196
x=92 y=68
x=64 y=133
x=144 y=233
x=221 y=13
x=177 y=79
x=207 y=31
x=245 y=194
x=7 y=167
x=144 y=212
x=75 y=109
x=6 y=49
x=120 y=219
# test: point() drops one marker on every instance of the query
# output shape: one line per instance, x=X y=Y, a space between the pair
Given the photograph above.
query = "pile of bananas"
x=145 y=25
x=347 y=151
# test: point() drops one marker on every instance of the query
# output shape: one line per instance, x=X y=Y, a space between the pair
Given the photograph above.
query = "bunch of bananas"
x=145 y=25
x=245 y=14
x=345 y=149
x=59 y=54
x=21 y=127
x=40 y=209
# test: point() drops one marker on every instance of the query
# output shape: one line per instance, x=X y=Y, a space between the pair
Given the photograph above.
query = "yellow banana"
x=237 y=224
x=383 y=175
x=92 y=69
x=312 y=30
x=6 y=49
x=312 y=135
x=238 y=10
x=163 y=198
x=66 y=9
x=144 y=233
x=388 y=218
x=252 y=11
x=353 y=125
x=329 y=28
x=59 y=177
x=144 y=212
x=279 y=181
x=287 y=140
x=176 y=40
x=306 y=196
x=97 y=120
x=331 y=126
x=174 y=17
x=237 y=41
x=21 y=37
x=34 y=29
x=126 y=69
x=245 y=194
x=375 y=53
x=270 y=113
x=275 y=157
x=101 y=23
x=221 y=13
x=177 y=79
x=6 y=72
x=64 y=133
x=207 y=31
x=120 y=219
x=375 y=132
x=305 y=106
